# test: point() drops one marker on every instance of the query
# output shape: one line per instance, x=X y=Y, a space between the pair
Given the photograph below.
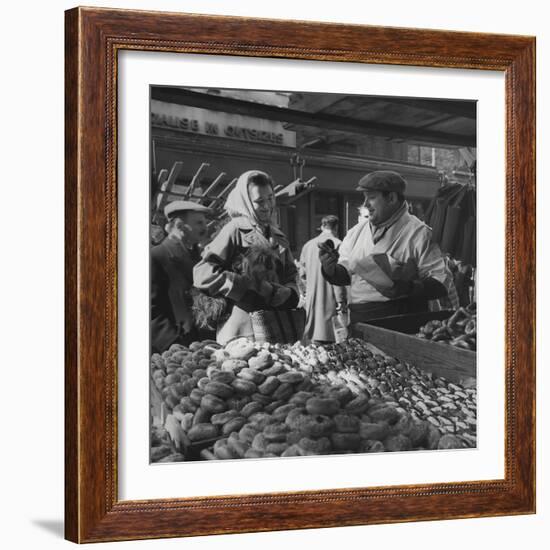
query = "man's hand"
x=328 y=257
x=400 y=289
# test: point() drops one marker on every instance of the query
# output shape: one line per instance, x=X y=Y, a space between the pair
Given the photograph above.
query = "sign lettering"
x=211 y=123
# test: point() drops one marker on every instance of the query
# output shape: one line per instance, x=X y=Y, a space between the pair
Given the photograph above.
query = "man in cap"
x=323 y=300
x=412 y=270
x=172 y=263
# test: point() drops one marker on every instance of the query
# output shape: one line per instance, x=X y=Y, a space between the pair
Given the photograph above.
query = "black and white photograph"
x=312 y=274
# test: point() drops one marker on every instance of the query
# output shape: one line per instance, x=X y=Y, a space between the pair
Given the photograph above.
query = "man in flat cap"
x=389 y=259
x=172 y=263
x=323 y=300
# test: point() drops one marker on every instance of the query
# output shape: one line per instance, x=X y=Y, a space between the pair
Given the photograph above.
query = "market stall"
x=253 y=400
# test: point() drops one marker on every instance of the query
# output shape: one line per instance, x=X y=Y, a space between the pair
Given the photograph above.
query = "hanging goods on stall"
x=452 y=217
x=169 y=189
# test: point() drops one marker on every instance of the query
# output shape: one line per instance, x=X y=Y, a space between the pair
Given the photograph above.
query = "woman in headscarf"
x=249 y=262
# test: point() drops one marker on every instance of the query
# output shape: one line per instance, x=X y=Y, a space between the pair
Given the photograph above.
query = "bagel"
x=218 y=388
x=260 y=420
x=171 y=401
x=237 y=403
x=187 y=421
x=247 y=433
x=206 y=363
x=179 y=356
x=253 y=375
x=345 y=441
x=223 y=417
x=342 y=394
x=323 y=406
x=300 y=398
x=224 y=453
x=433 y=436
x=370 y=430
x=253 y=453
x=315 y=446
x=309 y=425
x=188 y=405
x=293 y=437
x=220 y=443
x=262 y=399
x=449 y=441
x=189 y=385
x=397 y=443
x=202 y=431
x=177 y=390
x=239 y=349
x=207 y=455
x=283 y=392
x=259 y=442
x=238 y=447
x=281 y=412
x=201 y=416
x=270 y=384
x=245 y=387
x=275 y=432
x=199 y=373
x=201 y=384
x=261 y=361
x=293 y=416
x=305 y=385
x=384 y=412
x=357 y=405
x=219 y=356
x=275 y=369
x=213 y=403
x=233 y=425
x=184 y=372
x=371 y=446
x=212 y=370
x=291 y=377
x=270 y=407
x=233 y=365
x=196 y=396
x=251 y=408
x=346 y=423
x=172 y=379
x=276 y=448
x=292 y=450
x=225 y=377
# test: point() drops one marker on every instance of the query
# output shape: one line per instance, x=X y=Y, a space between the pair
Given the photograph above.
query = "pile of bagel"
x=251 y=400
x=459 y=330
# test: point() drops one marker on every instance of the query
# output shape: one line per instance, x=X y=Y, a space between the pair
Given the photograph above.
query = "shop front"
x=231 y=144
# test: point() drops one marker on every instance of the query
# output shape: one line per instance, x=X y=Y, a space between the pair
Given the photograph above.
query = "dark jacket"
x=171 y=279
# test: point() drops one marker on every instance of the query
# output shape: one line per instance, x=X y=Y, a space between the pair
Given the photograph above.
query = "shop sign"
x=218 y=124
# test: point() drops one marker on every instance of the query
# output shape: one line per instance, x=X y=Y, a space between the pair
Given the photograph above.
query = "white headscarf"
x=238 y=202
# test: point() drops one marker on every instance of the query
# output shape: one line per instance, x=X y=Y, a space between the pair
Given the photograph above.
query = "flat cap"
x=173 y=208
x=382 y=180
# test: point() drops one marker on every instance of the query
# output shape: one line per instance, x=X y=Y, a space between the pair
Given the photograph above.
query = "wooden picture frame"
x=93 y=511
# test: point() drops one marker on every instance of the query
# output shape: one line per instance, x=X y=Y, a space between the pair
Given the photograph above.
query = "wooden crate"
x=454 y=364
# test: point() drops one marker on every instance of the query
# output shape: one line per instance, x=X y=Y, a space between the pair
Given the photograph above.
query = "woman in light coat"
x=249 y=262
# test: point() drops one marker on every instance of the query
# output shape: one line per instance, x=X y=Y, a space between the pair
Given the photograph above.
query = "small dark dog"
x=257 y=264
